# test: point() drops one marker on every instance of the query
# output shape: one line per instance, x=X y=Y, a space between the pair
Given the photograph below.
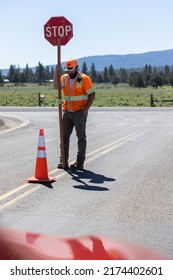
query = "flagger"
x=78 y=95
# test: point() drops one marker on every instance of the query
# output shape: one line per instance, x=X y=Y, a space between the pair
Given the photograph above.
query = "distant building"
x=6 y=81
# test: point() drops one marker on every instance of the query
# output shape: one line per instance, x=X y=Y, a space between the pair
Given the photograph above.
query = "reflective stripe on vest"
x=76 y=98
x=89 y=91
x=63 y=83
x=79 y=85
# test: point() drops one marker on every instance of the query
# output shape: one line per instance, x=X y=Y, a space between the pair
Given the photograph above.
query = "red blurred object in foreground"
x=20 y=245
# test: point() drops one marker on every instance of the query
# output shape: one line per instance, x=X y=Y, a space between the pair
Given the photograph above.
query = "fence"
x=152 y=100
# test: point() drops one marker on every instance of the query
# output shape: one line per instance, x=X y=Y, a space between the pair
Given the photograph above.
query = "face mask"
x=73 y=74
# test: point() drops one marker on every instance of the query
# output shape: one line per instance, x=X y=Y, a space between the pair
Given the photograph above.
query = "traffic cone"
x=41 y=170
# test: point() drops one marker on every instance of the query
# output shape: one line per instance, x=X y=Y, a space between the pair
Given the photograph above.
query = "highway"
x=125 y=190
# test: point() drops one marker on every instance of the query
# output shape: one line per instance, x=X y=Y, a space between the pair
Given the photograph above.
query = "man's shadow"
x=80 y=175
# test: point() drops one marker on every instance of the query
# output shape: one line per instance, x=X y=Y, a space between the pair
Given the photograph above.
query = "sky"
x=99 y=28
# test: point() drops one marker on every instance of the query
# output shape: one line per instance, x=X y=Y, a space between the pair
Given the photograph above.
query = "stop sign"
x=58 y=27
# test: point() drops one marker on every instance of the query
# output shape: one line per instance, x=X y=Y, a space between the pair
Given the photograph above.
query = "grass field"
x=107 y=95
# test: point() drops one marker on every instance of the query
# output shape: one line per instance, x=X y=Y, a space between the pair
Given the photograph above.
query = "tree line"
x=142 y=77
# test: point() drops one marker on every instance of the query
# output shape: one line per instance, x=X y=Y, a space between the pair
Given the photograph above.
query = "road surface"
x=125 y=190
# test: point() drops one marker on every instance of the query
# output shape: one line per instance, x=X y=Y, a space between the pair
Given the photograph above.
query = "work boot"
x=59 y=166
x=77 y=166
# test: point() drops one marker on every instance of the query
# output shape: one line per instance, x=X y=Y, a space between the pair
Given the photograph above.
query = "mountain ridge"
x=153 y=58
x=127 y=61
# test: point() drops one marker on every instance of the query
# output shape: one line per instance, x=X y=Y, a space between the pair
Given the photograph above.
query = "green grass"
x=107 y=95
x=124 y=95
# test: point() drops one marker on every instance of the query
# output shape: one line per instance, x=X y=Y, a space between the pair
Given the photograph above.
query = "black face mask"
x=73 y=75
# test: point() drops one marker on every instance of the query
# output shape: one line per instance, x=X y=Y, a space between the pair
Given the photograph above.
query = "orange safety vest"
x=75 y=92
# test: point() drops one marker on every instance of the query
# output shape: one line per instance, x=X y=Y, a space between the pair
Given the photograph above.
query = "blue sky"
x=99 y=27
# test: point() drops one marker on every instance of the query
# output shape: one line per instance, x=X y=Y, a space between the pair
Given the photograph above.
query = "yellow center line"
x=9 y=203
x=99 y=152
x=10 y=193
x=111 y=144
x=100 y=149
x=13 y=191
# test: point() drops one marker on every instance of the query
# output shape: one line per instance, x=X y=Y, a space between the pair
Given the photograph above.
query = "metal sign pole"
x=60 y=100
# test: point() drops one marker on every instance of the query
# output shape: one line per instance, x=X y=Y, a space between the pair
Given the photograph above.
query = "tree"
x=147 y=74
x=84 y=68
x=22 y=78
x=11 y=73
x=123 y=77
x=111 y=72
x=105 y=75
x=31 y=75
x=40 y=74
x=47 y=73
x=115 y=80
x=136 y=80
x=99 y=79
x=166 y=72
x=93 y=73
x=112 y=75
x=14 y=74
x=171 y=80
x=16 y=77
x=27 y=74
x=52 y=73
x=157 y=80
x=1 y=79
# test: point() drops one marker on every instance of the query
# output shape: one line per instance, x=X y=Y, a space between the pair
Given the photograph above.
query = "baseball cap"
x=71 y=64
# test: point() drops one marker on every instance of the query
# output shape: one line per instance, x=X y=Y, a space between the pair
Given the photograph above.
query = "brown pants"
x=78 y=120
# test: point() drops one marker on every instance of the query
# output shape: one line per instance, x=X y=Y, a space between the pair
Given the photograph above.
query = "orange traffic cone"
x=41 y=171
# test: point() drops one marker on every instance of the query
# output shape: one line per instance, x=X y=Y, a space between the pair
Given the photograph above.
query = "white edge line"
x=24 y=122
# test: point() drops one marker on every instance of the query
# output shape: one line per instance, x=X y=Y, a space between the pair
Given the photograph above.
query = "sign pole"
x=58 y=31
x=60 y=100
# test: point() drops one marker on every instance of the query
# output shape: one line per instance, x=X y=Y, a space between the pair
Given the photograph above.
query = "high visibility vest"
x=76 y=91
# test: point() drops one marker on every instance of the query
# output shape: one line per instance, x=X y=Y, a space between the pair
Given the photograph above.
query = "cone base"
x=41 y=180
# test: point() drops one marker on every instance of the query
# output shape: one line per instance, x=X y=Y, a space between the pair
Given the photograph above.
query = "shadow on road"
x=48 y=185
x=91 y=177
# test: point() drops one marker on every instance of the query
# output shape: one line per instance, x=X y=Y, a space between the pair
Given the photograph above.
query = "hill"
x=127 y=61
x=155 y=58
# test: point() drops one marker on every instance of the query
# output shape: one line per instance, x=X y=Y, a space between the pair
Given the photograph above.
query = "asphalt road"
x=124 y=192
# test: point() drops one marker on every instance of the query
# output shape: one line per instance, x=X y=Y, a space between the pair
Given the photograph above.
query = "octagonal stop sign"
x=58 y=28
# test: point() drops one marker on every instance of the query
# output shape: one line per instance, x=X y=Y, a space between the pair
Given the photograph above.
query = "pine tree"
x=47 y=73
x=93 y=73
x=123 y=77
x=99 y=79
x=111 y=72
x=136 y=80
x=52 y=73
x=147 y=74
x=84 y=68
x=40 y=74
x=1 y=79
x=105 y=75
x=11 y=73
x=26 y=73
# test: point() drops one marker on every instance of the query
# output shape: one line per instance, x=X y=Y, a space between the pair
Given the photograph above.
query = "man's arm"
x=89 y=103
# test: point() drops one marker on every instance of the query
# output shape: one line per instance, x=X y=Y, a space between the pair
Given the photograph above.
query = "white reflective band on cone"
x=41 y=141
x=41 y=154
